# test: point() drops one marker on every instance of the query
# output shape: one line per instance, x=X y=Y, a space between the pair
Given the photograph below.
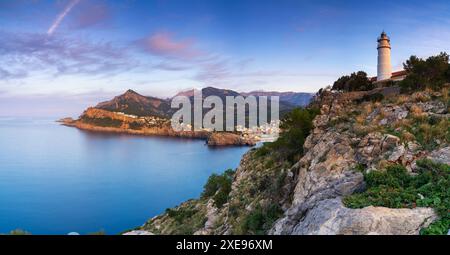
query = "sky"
x=58 y=57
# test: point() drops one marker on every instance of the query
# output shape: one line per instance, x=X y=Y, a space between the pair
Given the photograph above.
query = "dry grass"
x=360 y=119
x=403 y=123
x=368 y=108
x=417 y=112
x=422 y=96
x=444 y=92
x=401 y=99
x=407 y=136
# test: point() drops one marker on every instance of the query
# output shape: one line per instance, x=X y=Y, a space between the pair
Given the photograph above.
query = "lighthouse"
x=384 y=58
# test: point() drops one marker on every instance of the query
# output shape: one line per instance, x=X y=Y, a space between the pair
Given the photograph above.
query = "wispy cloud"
x=170 y=66
x=7 y=75
x=61 y=16
x=60 y=55
x=207 y=67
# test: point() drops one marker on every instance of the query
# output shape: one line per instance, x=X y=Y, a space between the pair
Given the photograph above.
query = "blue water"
x=56 y=179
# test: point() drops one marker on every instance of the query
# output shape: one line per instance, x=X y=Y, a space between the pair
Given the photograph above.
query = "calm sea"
x=56 y=179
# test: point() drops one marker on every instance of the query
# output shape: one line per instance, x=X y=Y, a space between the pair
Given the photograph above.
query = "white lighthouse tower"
x=384 y=58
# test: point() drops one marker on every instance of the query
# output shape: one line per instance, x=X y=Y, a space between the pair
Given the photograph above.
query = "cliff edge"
x=369 y=164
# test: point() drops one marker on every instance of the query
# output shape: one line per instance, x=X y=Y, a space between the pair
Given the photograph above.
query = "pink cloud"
x=163 y=44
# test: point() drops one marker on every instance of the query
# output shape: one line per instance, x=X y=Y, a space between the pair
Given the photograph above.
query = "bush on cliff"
x=432 y=73
x=261 y=219
x=396 y=188
x=354 y=82
x=296 y=126
x=218 y=187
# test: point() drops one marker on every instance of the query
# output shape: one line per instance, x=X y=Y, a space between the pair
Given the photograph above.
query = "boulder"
x=138 y=233
x=436 y=107
x=392 y=114
x=441 y=155
x=397 y=153
x=324 y=172
x=330 y=217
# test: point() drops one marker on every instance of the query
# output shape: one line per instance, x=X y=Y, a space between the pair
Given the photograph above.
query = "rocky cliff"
x=359 y=143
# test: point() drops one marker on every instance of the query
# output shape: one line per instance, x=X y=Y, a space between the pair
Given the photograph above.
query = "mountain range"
x=134 y=103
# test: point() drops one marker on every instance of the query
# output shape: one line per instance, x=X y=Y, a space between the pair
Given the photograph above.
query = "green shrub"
x=102 y=122
x=180 y=214
x=261 y=219
x=218 y=187
x=187 y=219
x=263 y=150
x=430 y=73
x=354 y=82
x=395 y=188
x=439 y=227
x=296 y=126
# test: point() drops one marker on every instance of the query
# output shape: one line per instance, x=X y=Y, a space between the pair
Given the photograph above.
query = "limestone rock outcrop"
x=330 y=217
x=326 y=173
x=138 y=233
x=441 y=155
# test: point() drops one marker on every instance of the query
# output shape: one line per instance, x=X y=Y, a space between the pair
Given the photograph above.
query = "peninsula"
x=133 y=113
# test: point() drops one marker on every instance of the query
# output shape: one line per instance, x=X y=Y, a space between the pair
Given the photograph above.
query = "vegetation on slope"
x=102 y=122
x=430 y=73
x=354 y=82
x=267 y=179
x=218 y=187
x=296 y=127
x=396 y=188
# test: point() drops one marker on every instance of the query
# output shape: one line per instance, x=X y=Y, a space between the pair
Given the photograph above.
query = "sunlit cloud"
x=165 y=45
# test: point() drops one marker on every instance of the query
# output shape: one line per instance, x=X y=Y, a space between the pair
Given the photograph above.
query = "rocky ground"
x=353 y=135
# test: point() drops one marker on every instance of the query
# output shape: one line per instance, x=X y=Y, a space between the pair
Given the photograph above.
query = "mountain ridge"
x=133 y=103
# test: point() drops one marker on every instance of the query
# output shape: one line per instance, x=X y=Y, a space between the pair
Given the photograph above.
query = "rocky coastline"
x=350 y=139
x=98 y=120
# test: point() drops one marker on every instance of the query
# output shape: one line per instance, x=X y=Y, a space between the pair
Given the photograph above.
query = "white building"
x=384 y=67
x=384 y=58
